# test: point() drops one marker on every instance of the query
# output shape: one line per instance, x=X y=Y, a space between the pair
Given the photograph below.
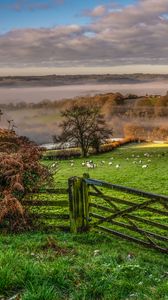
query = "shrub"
x=62 y=154
x=113 y=145
x=20 y=172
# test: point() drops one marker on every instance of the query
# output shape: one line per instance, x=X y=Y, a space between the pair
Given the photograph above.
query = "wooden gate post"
x=78 y=204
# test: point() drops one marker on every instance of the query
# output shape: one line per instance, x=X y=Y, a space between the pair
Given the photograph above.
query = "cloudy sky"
x=83 y=36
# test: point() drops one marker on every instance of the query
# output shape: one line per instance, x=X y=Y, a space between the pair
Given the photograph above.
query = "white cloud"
x=98 y=11
x=136 y=34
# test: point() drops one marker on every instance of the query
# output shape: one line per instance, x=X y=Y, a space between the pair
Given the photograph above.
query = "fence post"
x=78 y=205
x=85 y=193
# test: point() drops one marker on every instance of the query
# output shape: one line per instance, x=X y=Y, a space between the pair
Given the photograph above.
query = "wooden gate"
x=128 y=213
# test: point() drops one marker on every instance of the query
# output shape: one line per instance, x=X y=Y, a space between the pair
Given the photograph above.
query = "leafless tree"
x=84 y=126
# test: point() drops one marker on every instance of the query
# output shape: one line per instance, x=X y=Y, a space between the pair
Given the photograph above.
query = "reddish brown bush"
x=20 y=172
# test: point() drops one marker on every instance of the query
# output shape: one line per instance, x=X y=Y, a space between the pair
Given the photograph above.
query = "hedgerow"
x=115 y=144
x=75 y=152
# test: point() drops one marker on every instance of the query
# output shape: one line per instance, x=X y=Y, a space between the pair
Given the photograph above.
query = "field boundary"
x=142 y=221
x=38 y=198
x=135 y=215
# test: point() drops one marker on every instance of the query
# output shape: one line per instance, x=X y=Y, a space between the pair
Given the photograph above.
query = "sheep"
x=110 y=163
x=117 y=166
x=89 y=165
x=144 y=166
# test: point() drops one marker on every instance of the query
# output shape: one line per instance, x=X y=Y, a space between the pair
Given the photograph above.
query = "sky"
x=83 y=36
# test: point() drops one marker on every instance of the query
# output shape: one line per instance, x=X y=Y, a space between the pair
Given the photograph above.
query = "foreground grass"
x=85 y=266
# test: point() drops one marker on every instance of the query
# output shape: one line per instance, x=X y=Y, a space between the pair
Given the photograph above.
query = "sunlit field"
x=157 y=144
x=137 y=166
x=90 y=266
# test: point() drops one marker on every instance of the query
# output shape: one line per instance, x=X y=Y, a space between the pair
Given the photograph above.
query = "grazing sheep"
x=144 y=166
x=72 y=164
x=146 y=154
x=89 y=165
x=110 y=163
x=83 y=164
x=117 y=166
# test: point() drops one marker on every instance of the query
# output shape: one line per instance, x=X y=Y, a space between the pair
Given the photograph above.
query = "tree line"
x=111 y=104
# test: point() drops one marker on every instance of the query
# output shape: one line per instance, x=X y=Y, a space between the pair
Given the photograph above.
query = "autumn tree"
x=144 y=107
x=161 y=106
x=135 y=131
x=84 y=126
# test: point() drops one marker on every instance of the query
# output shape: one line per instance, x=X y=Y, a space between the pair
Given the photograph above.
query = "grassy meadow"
x=130 y=173
x=90 y=266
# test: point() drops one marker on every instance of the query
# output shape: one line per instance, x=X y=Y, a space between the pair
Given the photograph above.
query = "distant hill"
x=57 y=80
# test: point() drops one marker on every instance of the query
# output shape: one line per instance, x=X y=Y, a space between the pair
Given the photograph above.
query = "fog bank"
x=37 y=94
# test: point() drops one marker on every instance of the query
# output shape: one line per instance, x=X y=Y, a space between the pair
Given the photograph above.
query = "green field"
x=41 y=266
x=130 y=173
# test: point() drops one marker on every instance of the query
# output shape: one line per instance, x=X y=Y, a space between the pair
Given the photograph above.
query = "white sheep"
x=89 y=165
x=144 y=166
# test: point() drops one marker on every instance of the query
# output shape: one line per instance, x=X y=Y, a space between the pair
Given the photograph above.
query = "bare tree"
x=84 y=126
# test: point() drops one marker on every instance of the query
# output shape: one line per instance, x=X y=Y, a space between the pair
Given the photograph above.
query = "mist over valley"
x=36 y=110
